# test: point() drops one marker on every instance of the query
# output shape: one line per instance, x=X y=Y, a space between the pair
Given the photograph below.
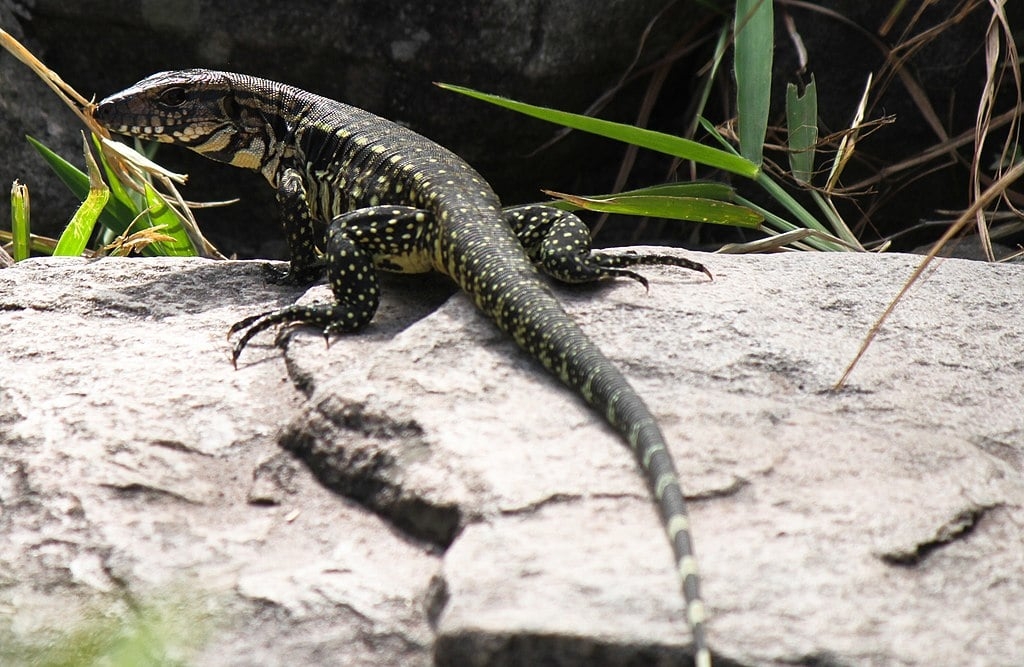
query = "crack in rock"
x=959 y=527
x=364 y=455
x=534 y=507
x=485 y=647
x=148 y=492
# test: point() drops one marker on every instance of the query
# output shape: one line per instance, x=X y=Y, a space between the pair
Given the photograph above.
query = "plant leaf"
x=21 y=232
x=75 y=237
x=163 y=216
x=849 y=141
x=802 y=123
x=121 y=212
x=658 y=141
x=755 y=42
x=117 y=189
x=704 y=189
x=667 y=206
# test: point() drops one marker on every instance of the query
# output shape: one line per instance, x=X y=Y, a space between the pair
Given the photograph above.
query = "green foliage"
x=708 y=211
x=657 y=141
x=753 y=42
x=20 y=221
x=116 y=209
x=697 y=202
x=76 y=235
x=164 y=632
x=754 y=35
x=802 y=126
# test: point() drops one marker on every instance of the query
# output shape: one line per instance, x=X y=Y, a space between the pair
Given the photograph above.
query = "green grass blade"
x=162 y=214
x=21 y=218
x=709 y=79
x=73 y=177
x=75 y=238
x=698 y=201
x=657 y=141
x=157 y=212
x=667 y=206
x=795 y=208
x=802 y=125
x=702 y=189
x=836 y=221
x=117 y=190
x=755 y=40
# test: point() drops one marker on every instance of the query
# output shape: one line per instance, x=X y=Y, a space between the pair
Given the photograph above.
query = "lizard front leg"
x=359 y=243
x=304 y=239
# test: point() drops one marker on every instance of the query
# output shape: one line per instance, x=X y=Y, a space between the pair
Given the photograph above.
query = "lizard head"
x=196 y=108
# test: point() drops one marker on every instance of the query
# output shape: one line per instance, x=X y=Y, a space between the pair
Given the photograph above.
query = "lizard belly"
x=398 y=262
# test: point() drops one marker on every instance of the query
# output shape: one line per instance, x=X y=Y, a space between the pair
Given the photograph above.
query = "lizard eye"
x=172 y=97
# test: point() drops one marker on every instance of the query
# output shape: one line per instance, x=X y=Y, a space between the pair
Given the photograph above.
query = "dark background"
x=383 y=56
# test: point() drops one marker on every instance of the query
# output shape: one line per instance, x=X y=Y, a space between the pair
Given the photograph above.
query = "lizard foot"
x=329 y=318
x=293 y=276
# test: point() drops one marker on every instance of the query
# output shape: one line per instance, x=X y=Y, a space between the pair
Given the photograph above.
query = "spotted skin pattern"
x=392 y=200
x=559 y=243
x=301 y=229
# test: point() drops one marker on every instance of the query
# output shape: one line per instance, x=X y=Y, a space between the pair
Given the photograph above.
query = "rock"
x=489 y=517
x=135 y=462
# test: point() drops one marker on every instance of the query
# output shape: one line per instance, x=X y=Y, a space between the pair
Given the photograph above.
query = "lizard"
x=358 y=194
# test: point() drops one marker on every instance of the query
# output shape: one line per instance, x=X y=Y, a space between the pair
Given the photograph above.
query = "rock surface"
x=489 y=518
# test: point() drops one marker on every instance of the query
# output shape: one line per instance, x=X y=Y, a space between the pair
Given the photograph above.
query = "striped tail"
x=535 y=319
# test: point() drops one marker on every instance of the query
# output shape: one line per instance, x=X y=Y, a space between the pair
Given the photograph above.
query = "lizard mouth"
x=111 y=115
x=146 y=132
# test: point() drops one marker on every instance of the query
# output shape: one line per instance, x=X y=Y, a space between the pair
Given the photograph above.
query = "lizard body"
x=393 y=200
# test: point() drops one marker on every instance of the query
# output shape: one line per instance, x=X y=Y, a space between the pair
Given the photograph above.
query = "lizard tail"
x=549 y=335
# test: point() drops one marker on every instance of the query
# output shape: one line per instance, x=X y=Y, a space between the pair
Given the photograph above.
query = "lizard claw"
x=306 y=275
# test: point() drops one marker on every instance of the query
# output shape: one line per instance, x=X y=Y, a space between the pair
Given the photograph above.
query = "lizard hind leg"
x=558 y=242
x=354 y=282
